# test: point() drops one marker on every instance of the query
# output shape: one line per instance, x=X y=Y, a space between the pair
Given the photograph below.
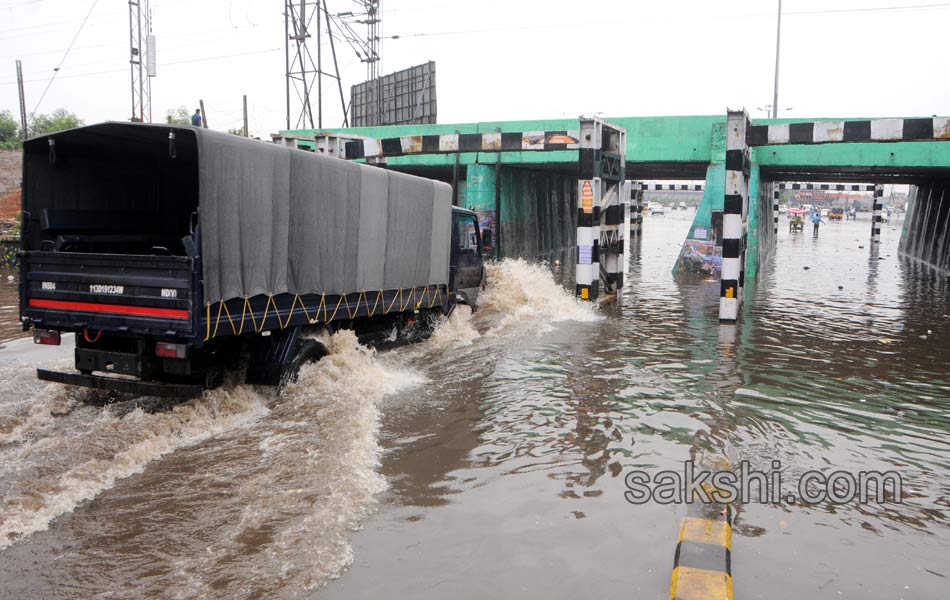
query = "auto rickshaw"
x=796 y=219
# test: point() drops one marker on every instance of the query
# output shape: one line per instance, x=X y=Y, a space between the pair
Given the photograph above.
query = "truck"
x=175 y=254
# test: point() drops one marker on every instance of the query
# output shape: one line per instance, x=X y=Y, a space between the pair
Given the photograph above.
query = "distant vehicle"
x=783 y=208
x=824 y=212
x=796 y=219
x=656 y=209
x=836 y=214
x=683 y=206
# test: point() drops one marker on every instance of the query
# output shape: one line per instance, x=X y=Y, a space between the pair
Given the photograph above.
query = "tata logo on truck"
x=98 y=288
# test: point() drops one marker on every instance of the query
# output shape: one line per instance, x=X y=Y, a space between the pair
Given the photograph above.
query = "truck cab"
x=466 y=263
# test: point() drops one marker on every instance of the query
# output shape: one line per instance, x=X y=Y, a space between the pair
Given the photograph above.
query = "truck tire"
x=305 y=351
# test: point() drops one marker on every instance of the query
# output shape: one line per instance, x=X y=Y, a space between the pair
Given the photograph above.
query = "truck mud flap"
x=128 y=386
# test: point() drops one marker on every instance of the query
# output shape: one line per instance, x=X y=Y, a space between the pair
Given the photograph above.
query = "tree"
x=9 y=130
x=59 y=120
x=178 y=116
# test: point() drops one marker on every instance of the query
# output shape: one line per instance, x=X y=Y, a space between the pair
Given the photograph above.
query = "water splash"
x=524 y=295
x=118 y=447
x=319 y=449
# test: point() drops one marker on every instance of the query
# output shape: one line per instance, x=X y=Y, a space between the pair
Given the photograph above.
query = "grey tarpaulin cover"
x=277 y=220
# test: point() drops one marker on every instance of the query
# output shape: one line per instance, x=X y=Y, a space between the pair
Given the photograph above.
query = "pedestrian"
x=196 y=118
x=816 y=219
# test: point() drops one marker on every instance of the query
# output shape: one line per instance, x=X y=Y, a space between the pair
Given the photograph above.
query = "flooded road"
x=490 y=460
x=9 y=306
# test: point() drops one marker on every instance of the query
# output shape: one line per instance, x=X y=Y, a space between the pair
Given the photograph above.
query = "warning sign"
x=587 y=198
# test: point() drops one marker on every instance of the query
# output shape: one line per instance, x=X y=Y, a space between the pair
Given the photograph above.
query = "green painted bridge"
x=528 y=198
x=681 y=148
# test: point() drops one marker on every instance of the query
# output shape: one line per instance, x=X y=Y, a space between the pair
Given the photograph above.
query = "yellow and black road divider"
x=250 y=315
x=702 y=565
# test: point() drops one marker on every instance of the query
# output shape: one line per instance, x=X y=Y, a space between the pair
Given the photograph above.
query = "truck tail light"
x=166 y=350
x=48 y=338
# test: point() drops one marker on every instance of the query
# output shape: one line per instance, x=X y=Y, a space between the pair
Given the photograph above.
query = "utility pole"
x=778 y=46
x=151 y=66
x=287 y=58
x=245 y=116
x=319 y=71
x=204 y=114
x=19 y=83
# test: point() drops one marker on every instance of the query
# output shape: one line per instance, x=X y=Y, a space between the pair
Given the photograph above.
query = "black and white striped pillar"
x=587 y=270
x=633 y=193
x=639 y=193
x=877 y=217
x=600 y=208
x=735 y=211
x=775 y=198
x=612 y=235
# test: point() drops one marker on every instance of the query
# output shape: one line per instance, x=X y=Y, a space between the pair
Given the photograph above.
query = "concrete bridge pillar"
x=734 y=215
x=926 y=232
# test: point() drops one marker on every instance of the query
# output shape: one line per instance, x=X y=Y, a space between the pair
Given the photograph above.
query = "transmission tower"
x=141 y=60
x=302 y=72
x=368 y=49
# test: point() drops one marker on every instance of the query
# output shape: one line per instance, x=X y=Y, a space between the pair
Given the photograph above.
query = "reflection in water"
x=502 y=445
x=9 y=306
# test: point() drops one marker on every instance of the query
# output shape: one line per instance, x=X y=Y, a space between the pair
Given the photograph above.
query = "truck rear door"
x=139 y=294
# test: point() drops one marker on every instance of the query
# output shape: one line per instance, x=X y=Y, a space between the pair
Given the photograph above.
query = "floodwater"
x=9 y=306
x=489 y=462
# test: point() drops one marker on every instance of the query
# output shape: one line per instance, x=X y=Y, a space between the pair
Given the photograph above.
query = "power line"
x=870 y=9
x=204 y=34
x=31 y=29
x=163 y=65
x=56 y=70
x=937 y=6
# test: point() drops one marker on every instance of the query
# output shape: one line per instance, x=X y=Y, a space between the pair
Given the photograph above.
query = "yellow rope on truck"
x=416 y=298
x=290 y=314
x=396 y=295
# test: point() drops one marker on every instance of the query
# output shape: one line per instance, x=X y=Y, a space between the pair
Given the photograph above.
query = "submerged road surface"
x=490 y=461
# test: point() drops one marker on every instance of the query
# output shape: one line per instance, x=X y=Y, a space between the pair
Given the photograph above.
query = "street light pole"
x=778 y=45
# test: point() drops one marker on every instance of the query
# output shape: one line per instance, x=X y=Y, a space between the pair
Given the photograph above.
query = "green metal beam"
x=682 y=139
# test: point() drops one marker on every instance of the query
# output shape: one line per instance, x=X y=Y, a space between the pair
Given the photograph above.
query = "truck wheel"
x=306 y=351
x=214 y=377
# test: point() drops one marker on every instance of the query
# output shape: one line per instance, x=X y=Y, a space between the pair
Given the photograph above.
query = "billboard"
x=405 y=97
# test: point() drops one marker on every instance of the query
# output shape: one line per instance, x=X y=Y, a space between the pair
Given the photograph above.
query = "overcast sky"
x=501 y=59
